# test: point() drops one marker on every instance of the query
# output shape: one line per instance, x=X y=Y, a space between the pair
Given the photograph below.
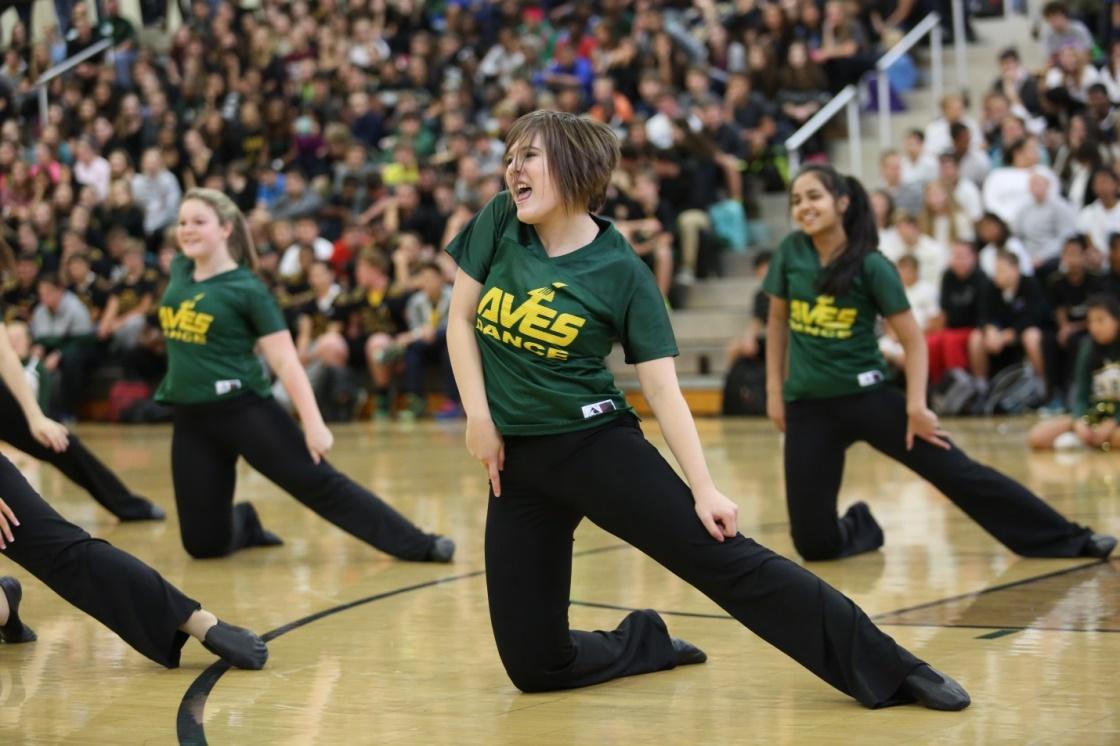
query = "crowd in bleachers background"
x=359 y=137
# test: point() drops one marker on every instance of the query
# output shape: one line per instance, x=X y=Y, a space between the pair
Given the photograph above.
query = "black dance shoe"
x=141 y=509
x=14 y=631
x=686 y=654
x=1099 y=546
x=443 y=549
x=935 y=690
x=236 y=646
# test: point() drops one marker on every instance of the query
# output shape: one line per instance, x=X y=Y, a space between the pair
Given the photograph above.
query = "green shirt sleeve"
x=474 y=247
x=644 y=327
x=775 y=282
x=265 y=316
x=884 y=286
x=1083 y=379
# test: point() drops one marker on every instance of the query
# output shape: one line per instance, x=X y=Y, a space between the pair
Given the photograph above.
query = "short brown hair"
x=581 y=154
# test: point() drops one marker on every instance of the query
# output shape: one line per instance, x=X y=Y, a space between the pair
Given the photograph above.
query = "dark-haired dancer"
x=112 y=586
x=214 y=312
x=828 y=284
x=544 y=288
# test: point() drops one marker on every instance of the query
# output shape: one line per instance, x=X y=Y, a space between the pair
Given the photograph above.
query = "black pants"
x=613 y=476
x=819 y=431
x=112 y=586
x=76 y=462
x=418 y=355
x=205 y=446
x=1061 y=362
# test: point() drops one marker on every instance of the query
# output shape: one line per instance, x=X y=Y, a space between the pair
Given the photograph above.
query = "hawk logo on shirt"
x=186 y=324
x=530 y=325
x=823 y=319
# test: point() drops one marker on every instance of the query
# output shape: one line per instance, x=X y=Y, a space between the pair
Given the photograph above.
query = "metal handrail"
x=847 y=97
x=931 y=25
x=65 y=66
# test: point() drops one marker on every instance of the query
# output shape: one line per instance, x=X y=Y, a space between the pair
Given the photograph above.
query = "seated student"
x=911 y=241
x=963 y=287
x=993 y=235
x=1069 y=290
x=1096 y=386
x=92 y=289
x=374 y=316
x=752 y=344
x=1012 y=316
x=20 y=294
x=922 y=297
x=321 y=347
x=646 y=220
x=426 y=339
x=63 y=334
x=129 y=302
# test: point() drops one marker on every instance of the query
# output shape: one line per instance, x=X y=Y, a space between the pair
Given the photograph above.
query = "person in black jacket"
x=963 y=286
x=1014 y=312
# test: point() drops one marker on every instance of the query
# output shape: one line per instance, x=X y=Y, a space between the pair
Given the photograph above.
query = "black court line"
x=188 y=721
x=993 y=589
x=1004 y=630
x=189 y=718
x=883 y=618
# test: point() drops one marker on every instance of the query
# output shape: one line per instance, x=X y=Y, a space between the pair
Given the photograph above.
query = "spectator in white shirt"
x=924 y=303
x=996 y=238
x=883 y=207
x=157 y=192
x=974 y=162
x=1006 y=190
x=938 y=137
x=1073 y=73
x=90 y=169
x=906 y=197
x=1043 y=224
x=307 y=236
x=1099 y=219
x=918 y=166
x=931 y=256
x=943 y=219
x=964 y=191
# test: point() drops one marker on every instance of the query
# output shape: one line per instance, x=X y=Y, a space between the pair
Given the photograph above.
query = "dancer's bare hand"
x=50 y=433
x=718 y=513
x=7 y=520
x=319 y=440
x=776 y=410
x=924 y=424
x=484 y=442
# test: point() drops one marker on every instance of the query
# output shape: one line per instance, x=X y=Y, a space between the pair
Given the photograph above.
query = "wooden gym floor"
x=370 y=650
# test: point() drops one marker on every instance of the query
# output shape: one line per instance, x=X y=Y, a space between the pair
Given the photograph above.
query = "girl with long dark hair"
x=828 y=284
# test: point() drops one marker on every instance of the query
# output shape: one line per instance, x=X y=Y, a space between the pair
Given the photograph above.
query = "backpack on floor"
x=337 y=394
x=1014 y=390
x=744 y=391
x=959 y=393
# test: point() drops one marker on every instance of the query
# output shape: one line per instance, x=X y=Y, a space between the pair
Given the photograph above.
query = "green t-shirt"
x=210 y=328
x=833 y=350
x=1097 y=380
x=546 y=325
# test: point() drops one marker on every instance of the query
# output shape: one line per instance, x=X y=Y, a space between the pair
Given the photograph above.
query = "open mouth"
x=522 y=193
